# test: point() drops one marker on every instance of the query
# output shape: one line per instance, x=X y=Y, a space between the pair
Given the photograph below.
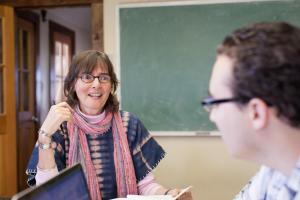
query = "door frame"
x=48 y=3
x=97 y=36
x=8 y=143
x=33 y=18
x=10 y=161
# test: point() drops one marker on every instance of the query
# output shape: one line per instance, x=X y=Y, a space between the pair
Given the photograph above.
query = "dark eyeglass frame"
x=93 y=78
x=208 y=103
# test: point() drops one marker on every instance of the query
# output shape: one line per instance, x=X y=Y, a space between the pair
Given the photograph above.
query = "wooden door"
x=8 y=146
x=27 y=119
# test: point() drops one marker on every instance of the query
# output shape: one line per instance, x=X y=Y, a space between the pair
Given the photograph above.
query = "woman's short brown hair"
x=86 y=62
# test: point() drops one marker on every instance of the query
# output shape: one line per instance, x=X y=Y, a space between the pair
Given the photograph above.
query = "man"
x=255 y=103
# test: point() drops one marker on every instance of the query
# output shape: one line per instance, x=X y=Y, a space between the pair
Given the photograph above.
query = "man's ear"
x=258 y=113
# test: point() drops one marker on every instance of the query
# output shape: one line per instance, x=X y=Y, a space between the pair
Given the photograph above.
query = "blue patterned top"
x=269 y=184
x=146 y=154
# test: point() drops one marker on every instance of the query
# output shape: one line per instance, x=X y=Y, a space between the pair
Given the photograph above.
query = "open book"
x=155 y=197
x=151 y=197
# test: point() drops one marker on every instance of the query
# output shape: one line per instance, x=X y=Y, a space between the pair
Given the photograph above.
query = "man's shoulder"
x=256 y=186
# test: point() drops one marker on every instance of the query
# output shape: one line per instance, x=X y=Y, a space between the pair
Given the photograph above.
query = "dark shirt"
x=146 y=154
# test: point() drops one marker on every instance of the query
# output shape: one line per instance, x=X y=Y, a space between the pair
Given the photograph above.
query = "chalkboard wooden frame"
x=161 y=4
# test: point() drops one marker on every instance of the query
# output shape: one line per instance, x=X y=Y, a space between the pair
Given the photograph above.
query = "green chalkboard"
x=167 y=53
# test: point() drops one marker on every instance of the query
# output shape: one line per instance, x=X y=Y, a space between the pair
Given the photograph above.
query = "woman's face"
x=93 y=96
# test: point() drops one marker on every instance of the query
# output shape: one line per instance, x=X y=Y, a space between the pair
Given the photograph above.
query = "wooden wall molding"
x=97 y=26
x=47 y=3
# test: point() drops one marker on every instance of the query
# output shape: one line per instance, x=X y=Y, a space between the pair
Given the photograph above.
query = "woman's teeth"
x=95 y=95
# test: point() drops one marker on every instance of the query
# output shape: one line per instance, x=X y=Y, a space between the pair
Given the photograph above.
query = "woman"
x=114 y=148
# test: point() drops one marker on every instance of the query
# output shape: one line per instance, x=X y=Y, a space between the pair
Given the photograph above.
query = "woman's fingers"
x=58 y=114
x=63 y=110
x=66 y=105
x=62 y=105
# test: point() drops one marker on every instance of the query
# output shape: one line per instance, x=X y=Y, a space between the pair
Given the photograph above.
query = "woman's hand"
x=57 y=114
x=185 y=196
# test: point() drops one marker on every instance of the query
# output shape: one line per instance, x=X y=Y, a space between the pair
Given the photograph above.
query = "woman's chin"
x=96 y=110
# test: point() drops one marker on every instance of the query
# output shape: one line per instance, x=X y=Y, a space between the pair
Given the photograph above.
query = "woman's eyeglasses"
x=209 y=103
x=88 y=78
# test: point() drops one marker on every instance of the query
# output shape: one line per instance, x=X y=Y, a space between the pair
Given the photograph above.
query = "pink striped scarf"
x=79 y=152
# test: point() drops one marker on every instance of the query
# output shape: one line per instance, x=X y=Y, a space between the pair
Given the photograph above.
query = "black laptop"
x=68 y=184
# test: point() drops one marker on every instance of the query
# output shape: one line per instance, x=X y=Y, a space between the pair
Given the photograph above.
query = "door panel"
x=26 y=126
x=8 y=171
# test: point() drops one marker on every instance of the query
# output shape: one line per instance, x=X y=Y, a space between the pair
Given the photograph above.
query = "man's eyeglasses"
x=88 y=78
x=208 y=103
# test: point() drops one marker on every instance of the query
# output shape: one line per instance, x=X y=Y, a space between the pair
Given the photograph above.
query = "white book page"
x=150 y=197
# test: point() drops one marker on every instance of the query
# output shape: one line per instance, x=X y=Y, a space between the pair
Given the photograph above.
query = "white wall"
x=201 y=161
x=77 y=19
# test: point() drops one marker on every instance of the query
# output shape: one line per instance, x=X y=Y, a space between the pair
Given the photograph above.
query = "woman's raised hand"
x=57 y=114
